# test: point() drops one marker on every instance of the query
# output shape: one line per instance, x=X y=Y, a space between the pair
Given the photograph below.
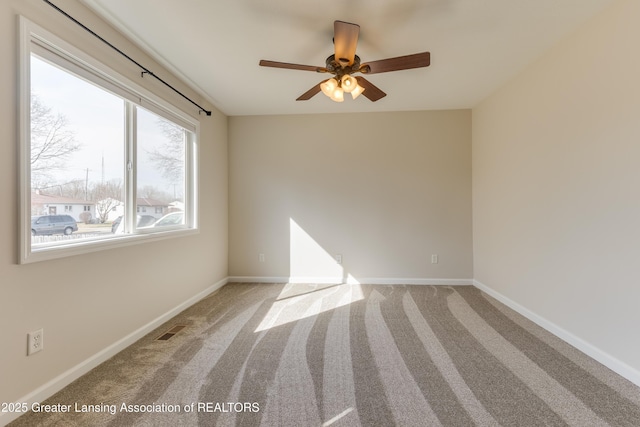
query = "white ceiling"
x=215 y=46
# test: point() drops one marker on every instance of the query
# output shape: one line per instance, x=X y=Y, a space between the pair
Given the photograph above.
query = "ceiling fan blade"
x=345 y=40
x=310 y=93
x=370 y=90
x=417 y=60
x=275 y=64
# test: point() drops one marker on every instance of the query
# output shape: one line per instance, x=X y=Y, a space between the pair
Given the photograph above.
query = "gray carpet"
x=347 y=355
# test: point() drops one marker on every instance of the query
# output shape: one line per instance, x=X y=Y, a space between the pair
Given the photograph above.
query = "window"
x=93 y=136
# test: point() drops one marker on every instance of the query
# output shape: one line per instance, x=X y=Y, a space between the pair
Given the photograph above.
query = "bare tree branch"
x=52 y=142
x=107 y=196
x=169 y=158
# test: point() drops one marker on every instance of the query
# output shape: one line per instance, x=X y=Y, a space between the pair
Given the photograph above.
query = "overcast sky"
x=97 y=119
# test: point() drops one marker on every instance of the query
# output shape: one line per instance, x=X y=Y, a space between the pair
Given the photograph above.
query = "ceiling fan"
x=344 y=63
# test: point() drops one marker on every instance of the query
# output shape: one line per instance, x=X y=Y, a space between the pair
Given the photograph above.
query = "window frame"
x=36 y=40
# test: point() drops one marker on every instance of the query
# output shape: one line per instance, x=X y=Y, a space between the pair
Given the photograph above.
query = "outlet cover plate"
x=35 y=341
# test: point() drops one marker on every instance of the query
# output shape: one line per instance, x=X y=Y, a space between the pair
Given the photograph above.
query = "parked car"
x=173 y=218
x=116 y=222
x=142 y=221
x=53 y=224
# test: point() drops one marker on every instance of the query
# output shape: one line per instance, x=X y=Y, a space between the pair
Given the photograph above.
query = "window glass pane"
x=77 y=156
x=160 y=171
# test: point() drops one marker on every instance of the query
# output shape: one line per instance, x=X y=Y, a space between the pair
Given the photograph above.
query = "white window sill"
x=49 y=252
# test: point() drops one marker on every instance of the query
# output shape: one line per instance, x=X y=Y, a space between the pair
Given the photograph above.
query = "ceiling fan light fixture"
x=329 y=87
x=337 y=95
x=348 y=83
x=357 y=91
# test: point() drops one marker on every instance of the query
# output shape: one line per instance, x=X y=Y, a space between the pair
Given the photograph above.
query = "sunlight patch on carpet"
x=312 y=301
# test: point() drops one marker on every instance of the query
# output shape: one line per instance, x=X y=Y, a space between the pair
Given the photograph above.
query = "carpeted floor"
x=347 y=355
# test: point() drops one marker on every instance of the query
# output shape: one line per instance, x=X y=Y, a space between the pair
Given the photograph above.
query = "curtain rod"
x=145 y=70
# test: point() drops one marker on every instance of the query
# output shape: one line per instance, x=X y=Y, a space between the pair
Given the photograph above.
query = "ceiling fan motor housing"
x=340 y=69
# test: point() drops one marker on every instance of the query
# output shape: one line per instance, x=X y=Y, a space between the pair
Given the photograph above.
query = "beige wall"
x=556 y=186
x=384 y=190
x=86 y=303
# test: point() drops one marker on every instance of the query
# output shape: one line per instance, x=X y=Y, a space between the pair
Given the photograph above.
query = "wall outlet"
x=35 y=341
x=261 y=257
x=339 y=258
x=434 y=259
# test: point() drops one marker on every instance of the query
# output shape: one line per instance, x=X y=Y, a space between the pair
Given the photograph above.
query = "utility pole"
x=86 y=185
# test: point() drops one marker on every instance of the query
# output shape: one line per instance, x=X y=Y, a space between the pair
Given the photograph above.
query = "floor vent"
x=171 y=332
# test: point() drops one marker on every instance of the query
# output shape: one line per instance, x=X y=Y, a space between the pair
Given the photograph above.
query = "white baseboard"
x=50 y=388
x=413 y=281
x=350 y=280
x=589 y=349
x=258 y=279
